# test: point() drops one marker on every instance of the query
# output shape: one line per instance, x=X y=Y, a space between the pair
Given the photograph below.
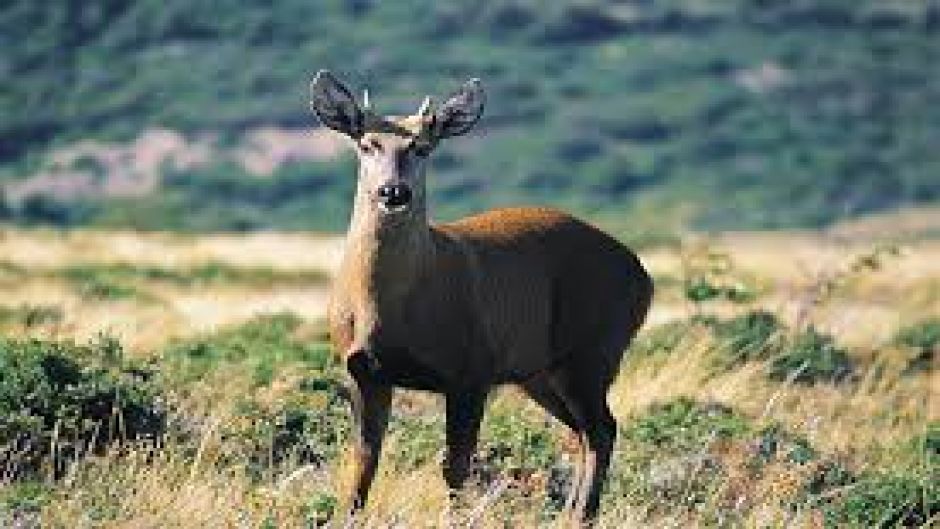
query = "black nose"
x=394 y=195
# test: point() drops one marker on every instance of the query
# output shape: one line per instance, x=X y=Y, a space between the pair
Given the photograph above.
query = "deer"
x=528 y=296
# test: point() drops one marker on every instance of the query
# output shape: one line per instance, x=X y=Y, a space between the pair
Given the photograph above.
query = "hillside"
x=707 y=113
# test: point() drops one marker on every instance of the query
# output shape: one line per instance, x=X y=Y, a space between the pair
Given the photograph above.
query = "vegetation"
x=757 y=113
x=811 y=356
x=60 y=401
x=195 y=413
x=922 y=340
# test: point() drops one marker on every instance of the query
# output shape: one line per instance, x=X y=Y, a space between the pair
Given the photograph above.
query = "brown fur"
x=498 y=298
x=526 y=295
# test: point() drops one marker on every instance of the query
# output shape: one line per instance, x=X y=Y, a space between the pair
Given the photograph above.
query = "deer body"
x=528 y=295
x=491 y=299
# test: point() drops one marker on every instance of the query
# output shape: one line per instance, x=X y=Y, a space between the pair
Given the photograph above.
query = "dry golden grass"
x=172 y=487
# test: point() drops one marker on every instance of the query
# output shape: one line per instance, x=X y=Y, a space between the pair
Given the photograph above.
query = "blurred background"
x=649 y=116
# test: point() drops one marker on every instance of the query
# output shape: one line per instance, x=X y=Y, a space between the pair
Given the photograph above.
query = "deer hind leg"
x=371 y=402
x=464 y=413
x=587 y=401
x=542 y=391
x=599 y=440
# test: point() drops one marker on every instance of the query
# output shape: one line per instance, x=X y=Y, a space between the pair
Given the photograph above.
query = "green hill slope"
x=720 y=113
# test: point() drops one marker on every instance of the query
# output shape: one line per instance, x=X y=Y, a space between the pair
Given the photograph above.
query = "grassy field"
x=157 y=380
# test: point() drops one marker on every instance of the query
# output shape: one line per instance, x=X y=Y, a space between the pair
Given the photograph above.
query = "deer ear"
x=461 y=111
x=335 y=105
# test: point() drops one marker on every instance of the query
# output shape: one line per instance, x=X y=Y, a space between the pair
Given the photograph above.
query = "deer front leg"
x=464 y=413
x=370 y=401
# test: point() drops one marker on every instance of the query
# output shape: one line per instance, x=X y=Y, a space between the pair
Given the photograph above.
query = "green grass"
x=207 y=274
x=254 y=402
x=60 y=401
x=30 y=315
x=590 y=107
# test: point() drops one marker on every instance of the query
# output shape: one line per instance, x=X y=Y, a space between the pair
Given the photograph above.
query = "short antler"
x=425 y=109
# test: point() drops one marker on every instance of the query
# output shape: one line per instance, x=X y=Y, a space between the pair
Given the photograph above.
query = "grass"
x=254 y=425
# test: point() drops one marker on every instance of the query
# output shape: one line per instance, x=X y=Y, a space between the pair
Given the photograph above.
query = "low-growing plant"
x=208 y=273
x=92 y=283
x=28 y=315
x=292 y=408
x=885 y=500
x=301 y=430
x=321 y=508
x=755 y=335
x=809 y=357
x=515 y=443
x=922 y=339
x=710 y=274
x=418 y=440
x=59 y=400
x=264 y=344
x=21 y=502
x=664 y=339
x=684 y=424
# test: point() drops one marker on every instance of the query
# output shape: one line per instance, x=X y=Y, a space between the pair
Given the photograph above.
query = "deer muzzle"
x=394 y=197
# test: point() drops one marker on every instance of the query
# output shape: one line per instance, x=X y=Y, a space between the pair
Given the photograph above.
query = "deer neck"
x=387 y=254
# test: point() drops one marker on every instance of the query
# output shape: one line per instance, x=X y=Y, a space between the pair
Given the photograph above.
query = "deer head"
x=393 y=151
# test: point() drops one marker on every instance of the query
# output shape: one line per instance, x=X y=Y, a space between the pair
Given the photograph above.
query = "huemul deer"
x=525 y=295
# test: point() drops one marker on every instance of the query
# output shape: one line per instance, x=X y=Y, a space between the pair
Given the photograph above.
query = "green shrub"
x=21 y=502
x=419 y=440
x=923 y=338
x=701 y=289
x=811 y=357
x=321 y=508
x=306 y=429
x=683 y=424
x=513 y=442
x=755 y=335
x=931 y=443
x=263 y=344
x=59 y=400
x=307 y=424
x=665 y=454
x=663 y=339
x=885 y=500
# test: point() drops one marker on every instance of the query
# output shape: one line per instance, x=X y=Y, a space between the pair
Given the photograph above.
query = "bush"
x=811 y=357
x=755 y=335
x=309 y=428
x=306 y=423
x=684 y=424
x=59 y=400
x=664 y=339
x=886 y=500
x=515 y=443
x=262 y=343
x=923 y=338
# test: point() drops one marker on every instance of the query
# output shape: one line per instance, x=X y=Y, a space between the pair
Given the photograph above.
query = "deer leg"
x=464 y=413
x=596 y=431
x=541 y=392
x=371 y=401
x=599 y=436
